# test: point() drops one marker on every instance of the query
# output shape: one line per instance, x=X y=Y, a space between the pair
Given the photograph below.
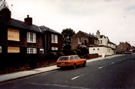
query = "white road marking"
x=75 y=77
x=57 y=85
x=100 y=67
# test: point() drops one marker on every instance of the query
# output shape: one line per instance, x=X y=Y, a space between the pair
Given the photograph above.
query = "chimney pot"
x=27 y=16
x=28 y=20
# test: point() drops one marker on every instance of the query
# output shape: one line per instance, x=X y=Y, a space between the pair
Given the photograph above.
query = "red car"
x=71 y=60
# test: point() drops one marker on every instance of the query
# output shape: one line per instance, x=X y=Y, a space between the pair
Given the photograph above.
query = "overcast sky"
x=113 y=18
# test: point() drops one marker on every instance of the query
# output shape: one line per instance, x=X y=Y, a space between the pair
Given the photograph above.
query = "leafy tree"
x=66 y=38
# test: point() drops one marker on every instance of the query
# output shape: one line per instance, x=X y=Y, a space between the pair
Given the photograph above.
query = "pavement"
x=21 y=74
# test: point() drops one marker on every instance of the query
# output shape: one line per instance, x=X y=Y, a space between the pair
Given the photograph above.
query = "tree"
x=3 y=4
x=66 y=38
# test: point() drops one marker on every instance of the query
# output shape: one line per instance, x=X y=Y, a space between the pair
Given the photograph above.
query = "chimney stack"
x=5 y=12
x=28 y=20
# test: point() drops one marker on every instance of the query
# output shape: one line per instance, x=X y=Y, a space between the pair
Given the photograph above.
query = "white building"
x=105 y=46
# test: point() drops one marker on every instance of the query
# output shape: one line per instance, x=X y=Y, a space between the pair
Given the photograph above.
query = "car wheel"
x=74 y=66
x=84 y=64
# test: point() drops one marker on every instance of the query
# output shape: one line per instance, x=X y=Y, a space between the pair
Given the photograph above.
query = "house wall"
x=101 y=50
x=22 y=43
x=49 y=44
x=104 y=41
x=123 y=47
x=74 y=40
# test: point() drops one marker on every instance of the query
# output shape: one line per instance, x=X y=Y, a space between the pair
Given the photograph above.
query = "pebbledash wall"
x=101 y=50
x=104 y=47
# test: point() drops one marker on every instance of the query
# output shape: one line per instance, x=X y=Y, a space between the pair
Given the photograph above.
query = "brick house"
x=19 y=37
x=123 y=47
x=82 y=39
x=53 y=39
x=24 y=37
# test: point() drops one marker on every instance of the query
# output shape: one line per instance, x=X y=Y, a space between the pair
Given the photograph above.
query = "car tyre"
x=84 y=64
x=74 y=66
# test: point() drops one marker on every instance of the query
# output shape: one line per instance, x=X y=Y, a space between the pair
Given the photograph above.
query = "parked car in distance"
x=70 y=61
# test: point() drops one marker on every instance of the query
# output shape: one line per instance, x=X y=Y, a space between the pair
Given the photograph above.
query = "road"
x=117 y=72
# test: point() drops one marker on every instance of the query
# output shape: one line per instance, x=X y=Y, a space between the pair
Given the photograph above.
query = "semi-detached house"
x=24 y=37
x=104 y=47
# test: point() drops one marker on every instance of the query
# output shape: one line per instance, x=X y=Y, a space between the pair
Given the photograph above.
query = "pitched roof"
x=18 y=24
x=111 y=42
x=44 y=29
x=101 y=36
x=90 y=35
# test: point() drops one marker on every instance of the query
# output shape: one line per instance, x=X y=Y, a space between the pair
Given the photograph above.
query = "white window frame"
x=31 y=37
x=54 y=38
x=41 y=50
x=31 y=51
x=0 y=49
x=79 y=40
x=54 y=48
x=100 y=41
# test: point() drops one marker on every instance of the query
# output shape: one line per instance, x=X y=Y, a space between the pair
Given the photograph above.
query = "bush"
x=78 y=51
x=60 y=53
x=51 y=55
x=75 y=52
x=69 y=52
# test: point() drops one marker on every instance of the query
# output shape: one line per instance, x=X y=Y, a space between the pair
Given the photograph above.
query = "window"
x=54 y=38
x=79 y=58
x=54 y=48
x=98 y=49
x=100 y=41
x=0 y=49
x=13 y=35
x=13 y=49
x=93 y=49
x=79 y=40
x=76 y=57
x=108 y=50
x=41 y=50
x=71 y=58
x=63 y=58
x=31 y=51
x=31 y=37
x=85 y=42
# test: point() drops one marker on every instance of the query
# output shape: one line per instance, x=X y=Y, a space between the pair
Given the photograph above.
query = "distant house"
x=53 y=39
x=124 y=47
x=82 y=39
x=105 y=46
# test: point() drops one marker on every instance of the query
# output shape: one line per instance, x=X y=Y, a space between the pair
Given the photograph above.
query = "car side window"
x=71 y=58
x=75 y=57
x=79 y=58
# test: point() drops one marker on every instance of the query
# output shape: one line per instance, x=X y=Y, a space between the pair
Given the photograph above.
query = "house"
x=124 y=47
x=105 y=46
x=24 y=37
x=19 y=37
x=53 y=39
x=82 y=39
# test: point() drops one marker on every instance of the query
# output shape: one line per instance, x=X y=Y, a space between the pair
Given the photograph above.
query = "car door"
x=80 y=60
x=76 y=60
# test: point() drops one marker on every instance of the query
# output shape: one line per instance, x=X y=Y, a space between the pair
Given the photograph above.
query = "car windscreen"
x=63 y=58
